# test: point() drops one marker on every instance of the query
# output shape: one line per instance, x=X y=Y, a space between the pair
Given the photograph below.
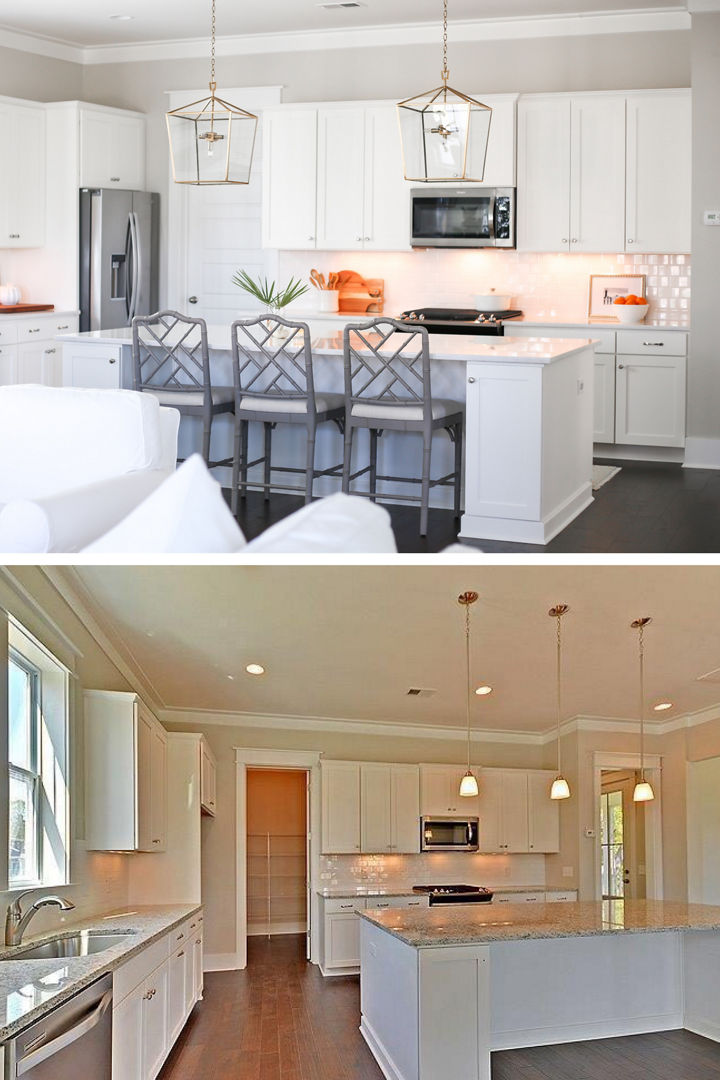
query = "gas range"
x=455 y=894
x=459 y=320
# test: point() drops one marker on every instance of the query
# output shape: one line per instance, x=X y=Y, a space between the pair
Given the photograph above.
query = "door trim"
x=303 y=760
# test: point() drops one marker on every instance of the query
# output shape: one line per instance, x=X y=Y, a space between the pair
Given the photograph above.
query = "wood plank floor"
x=648 y=507
x=280 y=1020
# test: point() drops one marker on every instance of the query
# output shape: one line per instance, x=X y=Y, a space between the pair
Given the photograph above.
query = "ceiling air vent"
x=331 y=5
x=418 y=691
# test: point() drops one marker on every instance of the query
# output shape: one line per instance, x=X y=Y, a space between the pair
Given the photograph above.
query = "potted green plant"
x=272 y=296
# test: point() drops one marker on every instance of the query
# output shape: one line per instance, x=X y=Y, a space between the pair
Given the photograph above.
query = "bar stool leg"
x=309 y=464
x=237 y=452
x=268 y=452
x=373 y=463
x=458 y=467
x=207 y=432
x=245 y=427
x=347 y=457
x=425 y=489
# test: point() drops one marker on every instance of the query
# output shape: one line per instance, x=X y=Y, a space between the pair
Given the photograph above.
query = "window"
x=37 y=761
x=613 y=851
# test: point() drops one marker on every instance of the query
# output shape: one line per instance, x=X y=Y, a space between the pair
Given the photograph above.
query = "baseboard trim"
x=709 y=1029
x=330 y=973
x=702 y=453
x=518 y=531
x=670 y=455
x=221 y=962
x=387 y=1066
x=600 y=1029
x=278 y=928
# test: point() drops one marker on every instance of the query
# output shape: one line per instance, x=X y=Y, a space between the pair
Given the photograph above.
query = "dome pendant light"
x=444 y=132
x=468 y=784
x=560 y=788
x=643 y=789
x=211 y=141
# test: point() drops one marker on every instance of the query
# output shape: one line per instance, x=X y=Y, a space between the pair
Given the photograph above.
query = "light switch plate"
x=567 y=871
x=711 y=217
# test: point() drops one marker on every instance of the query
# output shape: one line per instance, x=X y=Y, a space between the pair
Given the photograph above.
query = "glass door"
x=613 y=847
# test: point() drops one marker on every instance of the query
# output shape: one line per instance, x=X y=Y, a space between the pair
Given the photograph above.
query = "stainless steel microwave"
x=466 y=217
x=449 y=834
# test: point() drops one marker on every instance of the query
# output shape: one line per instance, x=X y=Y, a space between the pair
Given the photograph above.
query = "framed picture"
x=605 y=288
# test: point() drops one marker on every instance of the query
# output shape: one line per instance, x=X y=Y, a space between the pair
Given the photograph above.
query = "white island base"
x=439 y=1012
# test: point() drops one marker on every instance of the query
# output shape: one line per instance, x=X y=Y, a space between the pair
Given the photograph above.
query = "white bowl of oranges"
x=630 y=308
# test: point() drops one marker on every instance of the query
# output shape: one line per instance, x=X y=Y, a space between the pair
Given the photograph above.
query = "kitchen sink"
x=83 y=944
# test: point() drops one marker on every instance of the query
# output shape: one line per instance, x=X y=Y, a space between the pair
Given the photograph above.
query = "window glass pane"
x=616 y=870
x=603 y=819
x=23 y=857
x=19 y=719
x=615 y=806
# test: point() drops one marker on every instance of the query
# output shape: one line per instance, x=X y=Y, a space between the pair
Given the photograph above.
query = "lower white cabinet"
x=650 y=400
x=154 y=995
x=604 y=398
x=96 y=366
x=29 y=352
x=340 y=928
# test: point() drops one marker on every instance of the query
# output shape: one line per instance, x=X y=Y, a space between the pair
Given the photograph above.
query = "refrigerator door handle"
x=128 y=256
x=135 y=265
x=138 y=258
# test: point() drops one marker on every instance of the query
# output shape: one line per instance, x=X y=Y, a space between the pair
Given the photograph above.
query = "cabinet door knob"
x=621 y=367
x=192 y=300
x=564 y=239
x=182 y=953
x=574 y=240
x=198 y=941
x=113 y=361
x=311 y=237
x=630 y=241
x=471 y=379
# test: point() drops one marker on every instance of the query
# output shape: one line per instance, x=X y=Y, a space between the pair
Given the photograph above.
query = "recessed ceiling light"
x=121 y=18
x=483 y=690
x=231 y=678
x=255 y=669
x=663 y=706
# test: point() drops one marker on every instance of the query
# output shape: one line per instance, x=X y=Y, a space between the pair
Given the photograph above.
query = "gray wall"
x=38 y=78
x=704 y=368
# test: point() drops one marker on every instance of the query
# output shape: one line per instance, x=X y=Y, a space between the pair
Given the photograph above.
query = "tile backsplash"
x=544 y=286
x=390 y=871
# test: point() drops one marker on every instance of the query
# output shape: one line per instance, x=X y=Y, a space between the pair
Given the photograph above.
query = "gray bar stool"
x=172 y=362
x=274 y=384
x=388 y=387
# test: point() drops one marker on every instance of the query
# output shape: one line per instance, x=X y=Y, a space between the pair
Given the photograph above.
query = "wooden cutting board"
x=359 y=294
x=24 y=309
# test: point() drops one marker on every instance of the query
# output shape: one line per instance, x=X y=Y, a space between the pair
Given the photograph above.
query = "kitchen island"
x=442 y=988
x=529 y=442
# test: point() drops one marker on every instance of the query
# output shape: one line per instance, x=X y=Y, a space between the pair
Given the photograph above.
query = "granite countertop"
x=31 y=988
x=479 y=924
x=407 y=890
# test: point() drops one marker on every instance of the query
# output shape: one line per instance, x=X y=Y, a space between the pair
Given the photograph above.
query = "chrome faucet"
x=16 y=922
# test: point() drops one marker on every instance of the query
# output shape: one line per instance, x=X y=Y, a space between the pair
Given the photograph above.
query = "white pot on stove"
x=493 y=301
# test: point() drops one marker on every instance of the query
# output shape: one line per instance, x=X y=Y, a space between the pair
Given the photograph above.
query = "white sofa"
x=74 y=462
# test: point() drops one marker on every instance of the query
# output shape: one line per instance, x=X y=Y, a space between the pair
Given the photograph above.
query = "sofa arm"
x=169 y=428
x=336 y=524
x=70 y=520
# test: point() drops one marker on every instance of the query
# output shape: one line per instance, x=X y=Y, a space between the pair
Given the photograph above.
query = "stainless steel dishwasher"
x=73 y=1041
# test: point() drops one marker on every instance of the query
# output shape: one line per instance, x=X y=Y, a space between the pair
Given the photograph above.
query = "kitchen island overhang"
x=442 y=989
x=528 y=427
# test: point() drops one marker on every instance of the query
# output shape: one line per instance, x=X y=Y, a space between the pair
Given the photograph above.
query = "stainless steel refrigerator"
x=118 y=256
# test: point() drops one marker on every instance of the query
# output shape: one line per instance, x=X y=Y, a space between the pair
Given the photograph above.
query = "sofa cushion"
x=61 y=438
x=337 y=524
x=186 y=514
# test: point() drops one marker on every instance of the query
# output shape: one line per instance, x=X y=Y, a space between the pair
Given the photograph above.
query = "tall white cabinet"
x=659 y=162
x=22 y=174
x=390 y=808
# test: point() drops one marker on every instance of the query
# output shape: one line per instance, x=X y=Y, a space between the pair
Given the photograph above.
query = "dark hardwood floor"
x=280 y=1020
x=648 y=507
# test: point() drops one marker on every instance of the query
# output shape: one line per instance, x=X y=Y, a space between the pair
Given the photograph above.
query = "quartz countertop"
x=361 y=891
x=480 y=924
x=31 y=988
x=526 y=350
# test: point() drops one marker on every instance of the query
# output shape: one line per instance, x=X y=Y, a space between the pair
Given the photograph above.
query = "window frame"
x=33 y=775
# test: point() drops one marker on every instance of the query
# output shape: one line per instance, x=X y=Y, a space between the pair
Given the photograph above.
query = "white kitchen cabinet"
x=390 y=809
x=650 y=400
x=341 y=179
x=543 y=814
x=155 y=1029
x=290 y=178
x=604 y=398
x=39 y=362
x=8 y=365
x=96 y=366
x=514 y=811
x=178 y=966
x=440 y=792
x=22 y=175
x=659 y=159
x=386 y=220
x=384 y=902
x=571 y=173
x=340 y=934
x=340 y=781
x=500 y=163
x=127 y=1036
x=208 y=779
x=569 y=897
x=519 y=898
x=112 y=149
x=197 y=946
x=125 y=774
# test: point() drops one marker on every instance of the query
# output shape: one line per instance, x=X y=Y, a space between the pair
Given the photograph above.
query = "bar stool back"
x=275 y=384
x=388 y=387
x=171 y=360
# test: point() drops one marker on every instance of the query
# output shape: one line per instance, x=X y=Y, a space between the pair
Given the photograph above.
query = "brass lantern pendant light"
x=560 y=788
x=643 y=789
x=468 y=784
x=211 y=141
x=444 y=132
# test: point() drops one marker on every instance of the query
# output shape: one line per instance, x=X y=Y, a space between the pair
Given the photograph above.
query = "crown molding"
x=395 y=36
x=703 y=7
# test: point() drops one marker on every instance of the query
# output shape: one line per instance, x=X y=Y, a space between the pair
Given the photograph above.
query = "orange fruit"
x=631 y=298
x=619 y=300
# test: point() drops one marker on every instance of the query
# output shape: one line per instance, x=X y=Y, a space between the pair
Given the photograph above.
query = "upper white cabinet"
x=340 y=807
x=571 y=173
x=440 y=792
x=112 y=148
x=290 y=178
x=543 y=813
x=341 y=179
x=390 y=808
x=22 y=175
x=125 y=774
x=659 y=158
x=516 y=812
x=386 y=197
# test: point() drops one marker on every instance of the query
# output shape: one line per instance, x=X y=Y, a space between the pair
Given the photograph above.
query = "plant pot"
x=328 y=300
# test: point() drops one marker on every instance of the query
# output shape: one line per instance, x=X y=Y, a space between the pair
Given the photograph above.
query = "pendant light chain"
x=641 y=649
x=560 y=788
x=467 y=672
x=213 y=84
x=559 y=684
x=445 y=72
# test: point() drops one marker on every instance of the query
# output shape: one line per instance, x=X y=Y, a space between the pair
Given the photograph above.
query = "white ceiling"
x=88 y=23
x=348 y=642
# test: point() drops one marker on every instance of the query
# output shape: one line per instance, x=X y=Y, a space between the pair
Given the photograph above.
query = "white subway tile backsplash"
x=551 y=286
x=399 y=871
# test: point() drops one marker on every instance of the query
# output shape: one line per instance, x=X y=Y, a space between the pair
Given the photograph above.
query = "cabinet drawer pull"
x=115 y=179
x=182 y=953
x=49 y=351
x=180 y=937
x=156 y=841
x=346 y=905
x=34 y=331
x=65 y=327
x=414 y=903
x=655 y=344
x=14 y=235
